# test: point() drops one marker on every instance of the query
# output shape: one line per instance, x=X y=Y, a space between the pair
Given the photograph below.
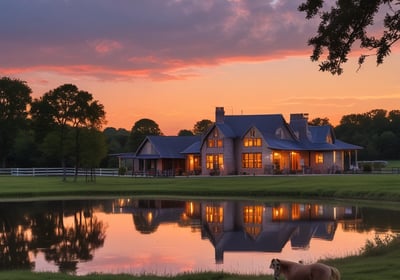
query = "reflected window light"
x=214 y=214
x=149 y=217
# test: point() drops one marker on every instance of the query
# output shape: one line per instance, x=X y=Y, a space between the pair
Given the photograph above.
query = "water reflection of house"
x=350 y=218
x=240 y=226
x=251 y=226
x=149 y=214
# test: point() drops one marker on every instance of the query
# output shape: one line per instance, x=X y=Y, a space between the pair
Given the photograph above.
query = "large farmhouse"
x=248 y=144
x=267 y=144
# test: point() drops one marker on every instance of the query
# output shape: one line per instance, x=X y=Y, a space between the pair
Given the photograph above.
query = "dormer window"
x=251 y=140
x=214 y=141
x=279 y=133
x=215 y=133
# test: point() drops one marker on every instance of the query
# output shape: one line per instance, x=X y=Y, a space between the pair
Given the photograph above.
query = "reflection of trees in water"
x=14 y=242
x=14 y=249
x=76 y=243
x=380 y=220
x=40 y=228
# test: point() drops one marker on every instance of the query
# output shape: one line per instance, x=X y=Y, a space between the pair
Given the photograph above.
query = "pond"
x=167 y=237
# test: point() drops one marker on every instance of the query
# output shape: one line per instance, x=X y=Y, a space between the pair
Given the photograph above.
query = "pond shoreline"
x=365 y=189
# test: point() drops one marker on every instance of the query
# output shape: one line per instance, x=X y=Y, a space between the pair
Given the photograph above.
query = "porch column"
x=356 y=159
x=349 y=158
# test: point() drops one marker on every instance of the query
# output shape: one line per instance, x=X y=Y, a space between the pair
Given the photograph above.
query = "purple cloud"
x=146 y=38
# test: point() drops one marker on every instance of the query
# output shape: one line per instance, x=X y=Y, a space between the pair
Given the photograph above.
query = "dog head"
x=276 y=266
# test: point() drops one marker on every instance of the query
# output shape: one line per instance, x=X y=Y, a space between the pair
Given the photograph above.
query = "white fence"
x=58 y=171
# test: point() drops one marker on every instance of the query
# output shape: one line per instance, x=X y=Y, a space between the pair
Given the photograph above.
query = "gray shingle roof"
x=168 y=146
x=301 y=136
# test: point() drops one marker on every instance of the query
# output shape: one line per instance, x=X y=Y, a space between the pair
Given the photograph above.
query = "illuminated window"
x=252 y=218
x=252 y=142
x=252 y=214
x=329 y=139
x=296 y=211
x=252 y=160
x=194 y=162
x=280 y=213
x=319 y=158
x=214 y=214
x=214 y=141
x=214 y=161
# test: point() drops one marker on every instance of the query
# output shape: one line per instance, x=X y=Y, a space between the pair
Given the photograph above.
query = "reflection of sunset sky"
x=127 y=250
x=175 y=61
x=173 y=249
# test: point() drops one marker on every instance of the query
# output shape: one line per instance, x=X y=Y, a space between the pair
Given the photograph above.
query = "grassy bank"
x=366 y=187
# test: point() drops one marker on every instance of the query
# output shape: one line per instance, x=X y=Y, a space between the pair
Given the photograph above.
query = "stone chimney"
x=299 y=124
x=298 y=116
x=219 y=114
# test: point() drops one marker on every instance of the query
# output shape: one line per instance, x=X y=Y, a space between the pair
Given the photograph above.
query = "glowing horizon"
x=175 y=61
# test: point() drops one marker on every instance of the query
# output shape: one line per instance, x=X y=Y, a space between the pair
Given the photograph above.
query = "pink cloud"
x=148 y=39
x=105 y=46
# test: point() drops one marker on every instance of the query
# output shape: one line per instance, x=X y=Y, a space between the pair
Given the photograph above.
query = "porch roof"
x=193 y=149
x=167 y=146
x=147 y=156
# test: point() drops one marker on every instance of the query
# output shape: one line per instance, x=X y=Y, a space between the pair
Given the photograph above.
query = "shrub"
x=380 y=245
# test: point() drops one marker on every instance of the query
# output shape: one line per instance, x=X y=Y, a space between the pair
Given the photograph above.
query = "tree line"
x=63 y=128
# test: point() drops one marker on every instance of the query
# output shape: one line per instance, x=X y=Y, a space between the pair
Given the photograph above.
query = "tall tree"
x=374 y=131
x=15 y=96
x=394 y=121
x=140 y=130
x=348 y=22
x=185 y=132
x=117 y=139
x=68 y=107
x=117 y=142
x=94 y=149
x=202 y=126
x=319 y=122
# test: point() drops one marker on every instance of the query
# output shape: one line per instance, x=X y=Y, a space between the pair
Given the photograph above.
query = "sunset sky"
x=174 y=61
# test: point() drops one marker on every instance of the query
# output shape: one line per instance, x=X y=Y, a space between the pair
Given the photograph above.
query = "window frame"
x=252 y=160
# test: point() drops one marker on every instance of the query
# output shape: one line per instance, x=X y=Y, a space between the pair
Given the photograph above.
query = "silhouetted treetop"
x=348 y=22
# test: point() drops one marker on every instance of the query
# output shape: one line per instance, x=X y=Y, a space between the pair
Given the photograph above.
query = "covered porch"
x=313 y=162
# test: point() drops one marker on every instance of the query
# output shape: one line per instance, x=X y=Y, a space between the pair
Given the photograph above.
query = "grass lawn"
x=359 y=187
x=379 y=263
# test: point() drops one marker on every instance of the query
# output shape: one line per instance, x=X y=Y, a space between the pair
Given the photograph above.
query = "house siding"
x=229 y=157
x=249 y=144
